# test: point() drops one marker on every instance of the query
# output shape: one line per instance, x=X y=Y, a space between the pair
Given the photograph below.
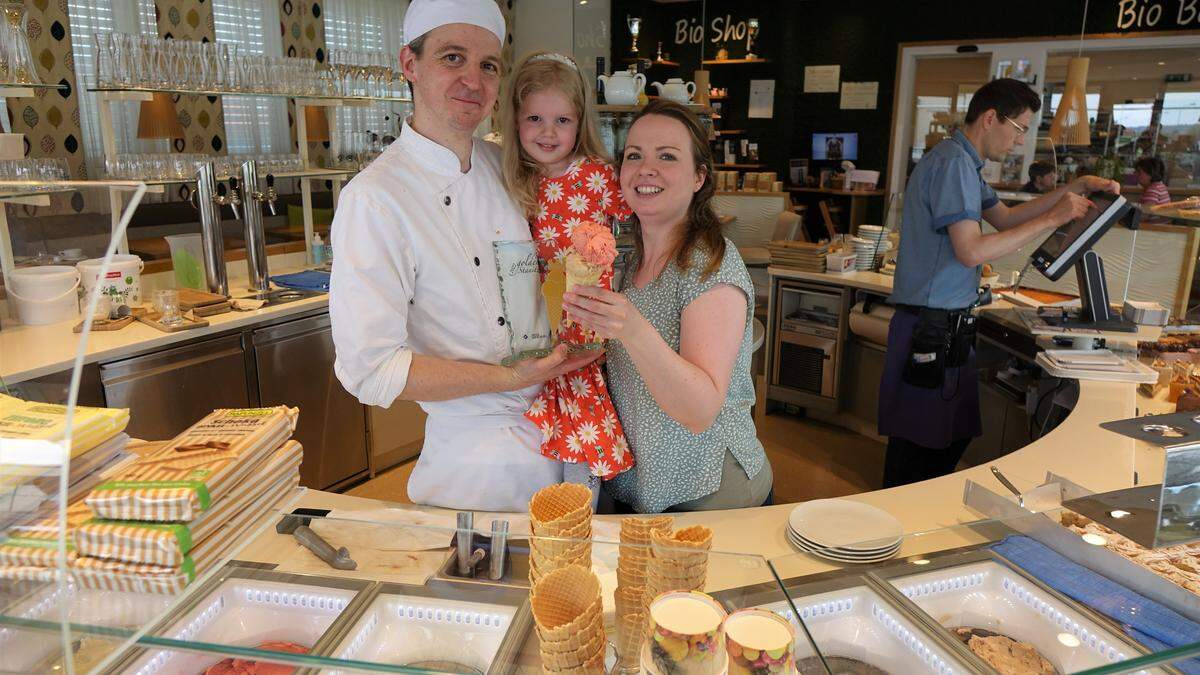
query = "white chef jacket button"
x=446 y=201
x=500 y=321
x=477 y=261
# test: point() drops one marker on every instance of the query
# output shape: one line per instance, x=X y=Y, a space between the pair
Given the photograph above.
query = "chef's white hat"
x=425 y=15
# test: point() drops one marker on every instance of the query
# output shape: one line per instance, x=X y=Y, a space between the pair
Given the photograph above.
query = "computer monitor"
x=1066 y=245
x=835 y=146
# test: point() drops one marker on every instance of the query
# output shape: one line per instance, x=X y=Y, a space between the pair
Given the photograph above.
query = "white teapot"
x=676 y=90
x=623 y=87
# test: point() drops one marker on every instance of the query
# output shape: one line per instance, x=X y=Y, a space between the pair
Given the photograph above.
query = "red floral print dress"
x=574 y=411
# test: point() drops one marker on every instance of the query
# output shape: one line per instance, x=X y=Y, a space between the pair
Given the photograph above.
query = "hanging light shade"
x=316 y=124
x=157 y=118
x=1070 y=125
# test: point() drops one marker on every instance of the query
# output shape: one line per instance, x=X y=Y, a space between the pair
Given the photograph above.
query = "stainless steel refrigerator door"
x=295 y=368
x=170 y=390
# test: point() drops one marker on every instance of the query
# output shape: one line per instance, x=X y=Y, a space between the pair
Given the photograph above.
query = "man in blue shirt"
x=929 y=397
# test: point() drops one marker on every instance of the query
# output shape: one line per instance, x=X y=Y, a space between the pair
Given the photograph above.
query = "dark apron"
x=932 y=417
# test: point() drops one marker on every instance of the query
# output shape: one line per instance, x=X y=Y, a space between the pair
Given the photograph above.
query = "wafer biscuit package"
x=166 y=544
x=36 y=544
x=30 y=420
x=184 y=477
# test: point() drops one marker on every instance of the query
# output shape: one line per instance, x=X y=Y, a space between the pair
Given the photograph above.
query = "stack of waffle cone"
x=678 y=561
x=560 y=519
x=567 y=611
x=632 y=562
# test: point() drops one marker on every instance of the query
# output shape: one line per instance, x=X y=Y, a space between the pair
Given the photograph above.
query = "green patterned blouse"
x=673 y=465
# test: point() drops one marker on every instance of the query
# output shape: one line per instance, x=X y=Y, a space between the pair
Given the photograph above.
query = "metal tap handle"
x=499 y=549
x=465 y=537
x=271 y=194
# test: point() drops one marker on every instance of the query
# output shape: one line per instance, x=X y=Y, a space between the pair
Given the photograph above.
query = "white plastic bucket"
x=44 y=295
x=187 y=257
x=122 y=282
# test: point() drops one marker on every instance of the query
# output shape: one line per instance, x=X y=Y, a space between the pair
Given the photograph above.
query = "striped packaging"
x=32 y=420
x=93 y=573
x=184 y=477
x=166 y=544
x=36 y=544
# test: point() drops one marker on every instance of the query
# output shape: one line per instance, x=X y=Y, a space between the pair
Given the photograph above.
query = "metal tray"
x=244 y=607
x=481 y=628
x=980 y=591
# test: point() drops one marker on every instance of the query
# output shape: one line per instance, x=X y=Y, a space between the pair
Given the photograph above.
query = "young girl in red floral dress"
x=555 y=168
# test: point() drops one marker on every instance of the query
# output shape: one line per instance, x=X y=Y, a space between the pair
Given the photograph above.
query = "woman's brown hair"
x=541 y=71
x=702 y=228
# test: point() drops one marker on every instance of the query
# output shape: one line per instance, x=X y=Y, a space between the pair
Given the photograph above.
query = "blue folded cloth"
x=308 y=280
x=1157 y=627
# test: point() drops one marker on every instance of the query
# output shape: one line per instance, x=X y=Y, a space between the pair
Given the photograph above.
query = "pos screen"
x=1064 y=247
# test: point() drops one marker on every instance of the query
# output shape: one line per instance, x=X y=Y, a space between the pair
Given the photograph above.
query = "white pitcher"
x=676 y=90
x=623 y=87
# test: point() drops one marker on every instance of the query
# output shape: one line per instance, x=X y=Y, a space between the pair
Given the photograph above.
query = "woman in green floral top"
x=680 y=332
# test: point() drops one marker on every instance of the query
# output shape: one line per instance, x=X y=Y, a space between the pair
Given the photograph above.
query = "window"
x=89 y=17
x=253 y=124
x=365 y=26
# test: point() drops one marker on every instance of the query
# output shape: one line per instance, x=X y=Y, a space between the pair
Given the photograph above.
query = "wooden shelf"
x=721 y=62
x=740 y=166
x=718 y=98
x=610 y=108
x=664 y=62
x=843 y=193
x=730 y=132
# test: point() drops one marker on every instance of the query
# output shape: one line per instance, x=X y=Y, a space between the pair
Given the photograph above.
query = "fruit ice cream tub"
x=685 y=635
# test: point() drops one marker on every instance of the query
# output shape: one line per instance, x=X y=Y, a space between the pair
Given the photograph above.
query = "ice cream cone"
x=580 y=272
x=631 y=578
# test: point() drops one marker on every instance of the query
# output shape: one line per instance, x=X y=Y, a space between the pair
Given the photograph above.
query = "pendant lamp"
x=157 y=118
x=1070 y=125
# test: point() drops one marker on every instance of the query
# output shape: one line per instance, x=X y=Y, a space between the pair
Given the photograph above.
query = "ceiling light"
x=1162 y=63
x=1118 y=513
x=921 y=561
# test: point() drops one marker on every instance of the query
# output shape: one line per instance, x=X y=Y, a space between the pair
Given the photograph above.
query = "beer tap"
x=268 y=197
x=229 y=197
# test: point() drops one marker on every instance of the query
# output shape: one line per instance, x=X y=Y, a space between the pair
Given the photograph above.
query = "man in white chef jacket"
x=415 y=299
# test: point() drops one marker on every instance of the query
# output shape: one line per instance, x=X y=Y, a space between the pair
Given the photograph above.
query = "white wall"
x=564 y=26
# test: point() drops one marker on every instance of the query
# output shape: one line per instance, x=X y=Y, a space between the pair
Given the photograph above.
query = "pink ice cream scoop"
x=595 y=243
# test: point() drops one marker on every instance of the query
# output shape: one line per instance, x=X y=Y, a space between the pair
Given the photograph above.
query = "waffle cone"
x=630 y=633
x=577 y=641
x=628 y=599
x=540 y=567
x=639 y=528
x=656 y=586
x=564 y=595
x=576 y=661
x=580 y=272
x=672 y=568
x=560 y=504
x=552 y=554
x=630 y=579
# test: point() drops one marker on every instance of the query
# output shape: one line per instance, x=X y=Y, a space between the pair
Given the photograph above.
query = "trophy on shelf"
x=635 y=27
x=751 y=33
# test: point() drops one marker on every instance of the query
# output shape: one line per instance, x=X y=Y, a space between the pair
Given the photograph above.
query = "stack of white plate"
x=867 y=252
x=844 y=531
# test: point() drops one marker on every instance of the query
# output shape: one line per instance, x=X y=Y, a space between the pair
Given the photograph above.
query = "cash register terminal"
x=1070 y=246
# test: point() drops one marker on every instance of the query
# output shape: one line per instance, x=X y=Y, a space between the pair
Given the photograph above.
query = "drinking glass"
x=166 y=303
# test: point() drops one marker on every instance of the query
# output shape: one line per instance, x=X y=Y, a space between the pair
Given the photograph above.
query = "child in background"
x=556 y=170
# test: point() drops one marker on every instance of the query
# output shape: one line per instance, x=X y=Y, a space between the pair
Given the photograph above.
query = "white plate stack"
x=870 y=243
x=844 y=531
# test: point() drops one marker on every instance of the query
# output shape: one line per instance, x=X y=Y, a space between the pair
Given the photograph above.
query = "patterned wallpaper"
x=302 y=26
x=201 y=116
x=50 y=119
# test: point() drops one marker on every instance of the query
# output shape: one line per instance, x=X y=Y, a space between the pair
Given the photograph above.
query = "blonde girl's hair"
x=541 y=71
